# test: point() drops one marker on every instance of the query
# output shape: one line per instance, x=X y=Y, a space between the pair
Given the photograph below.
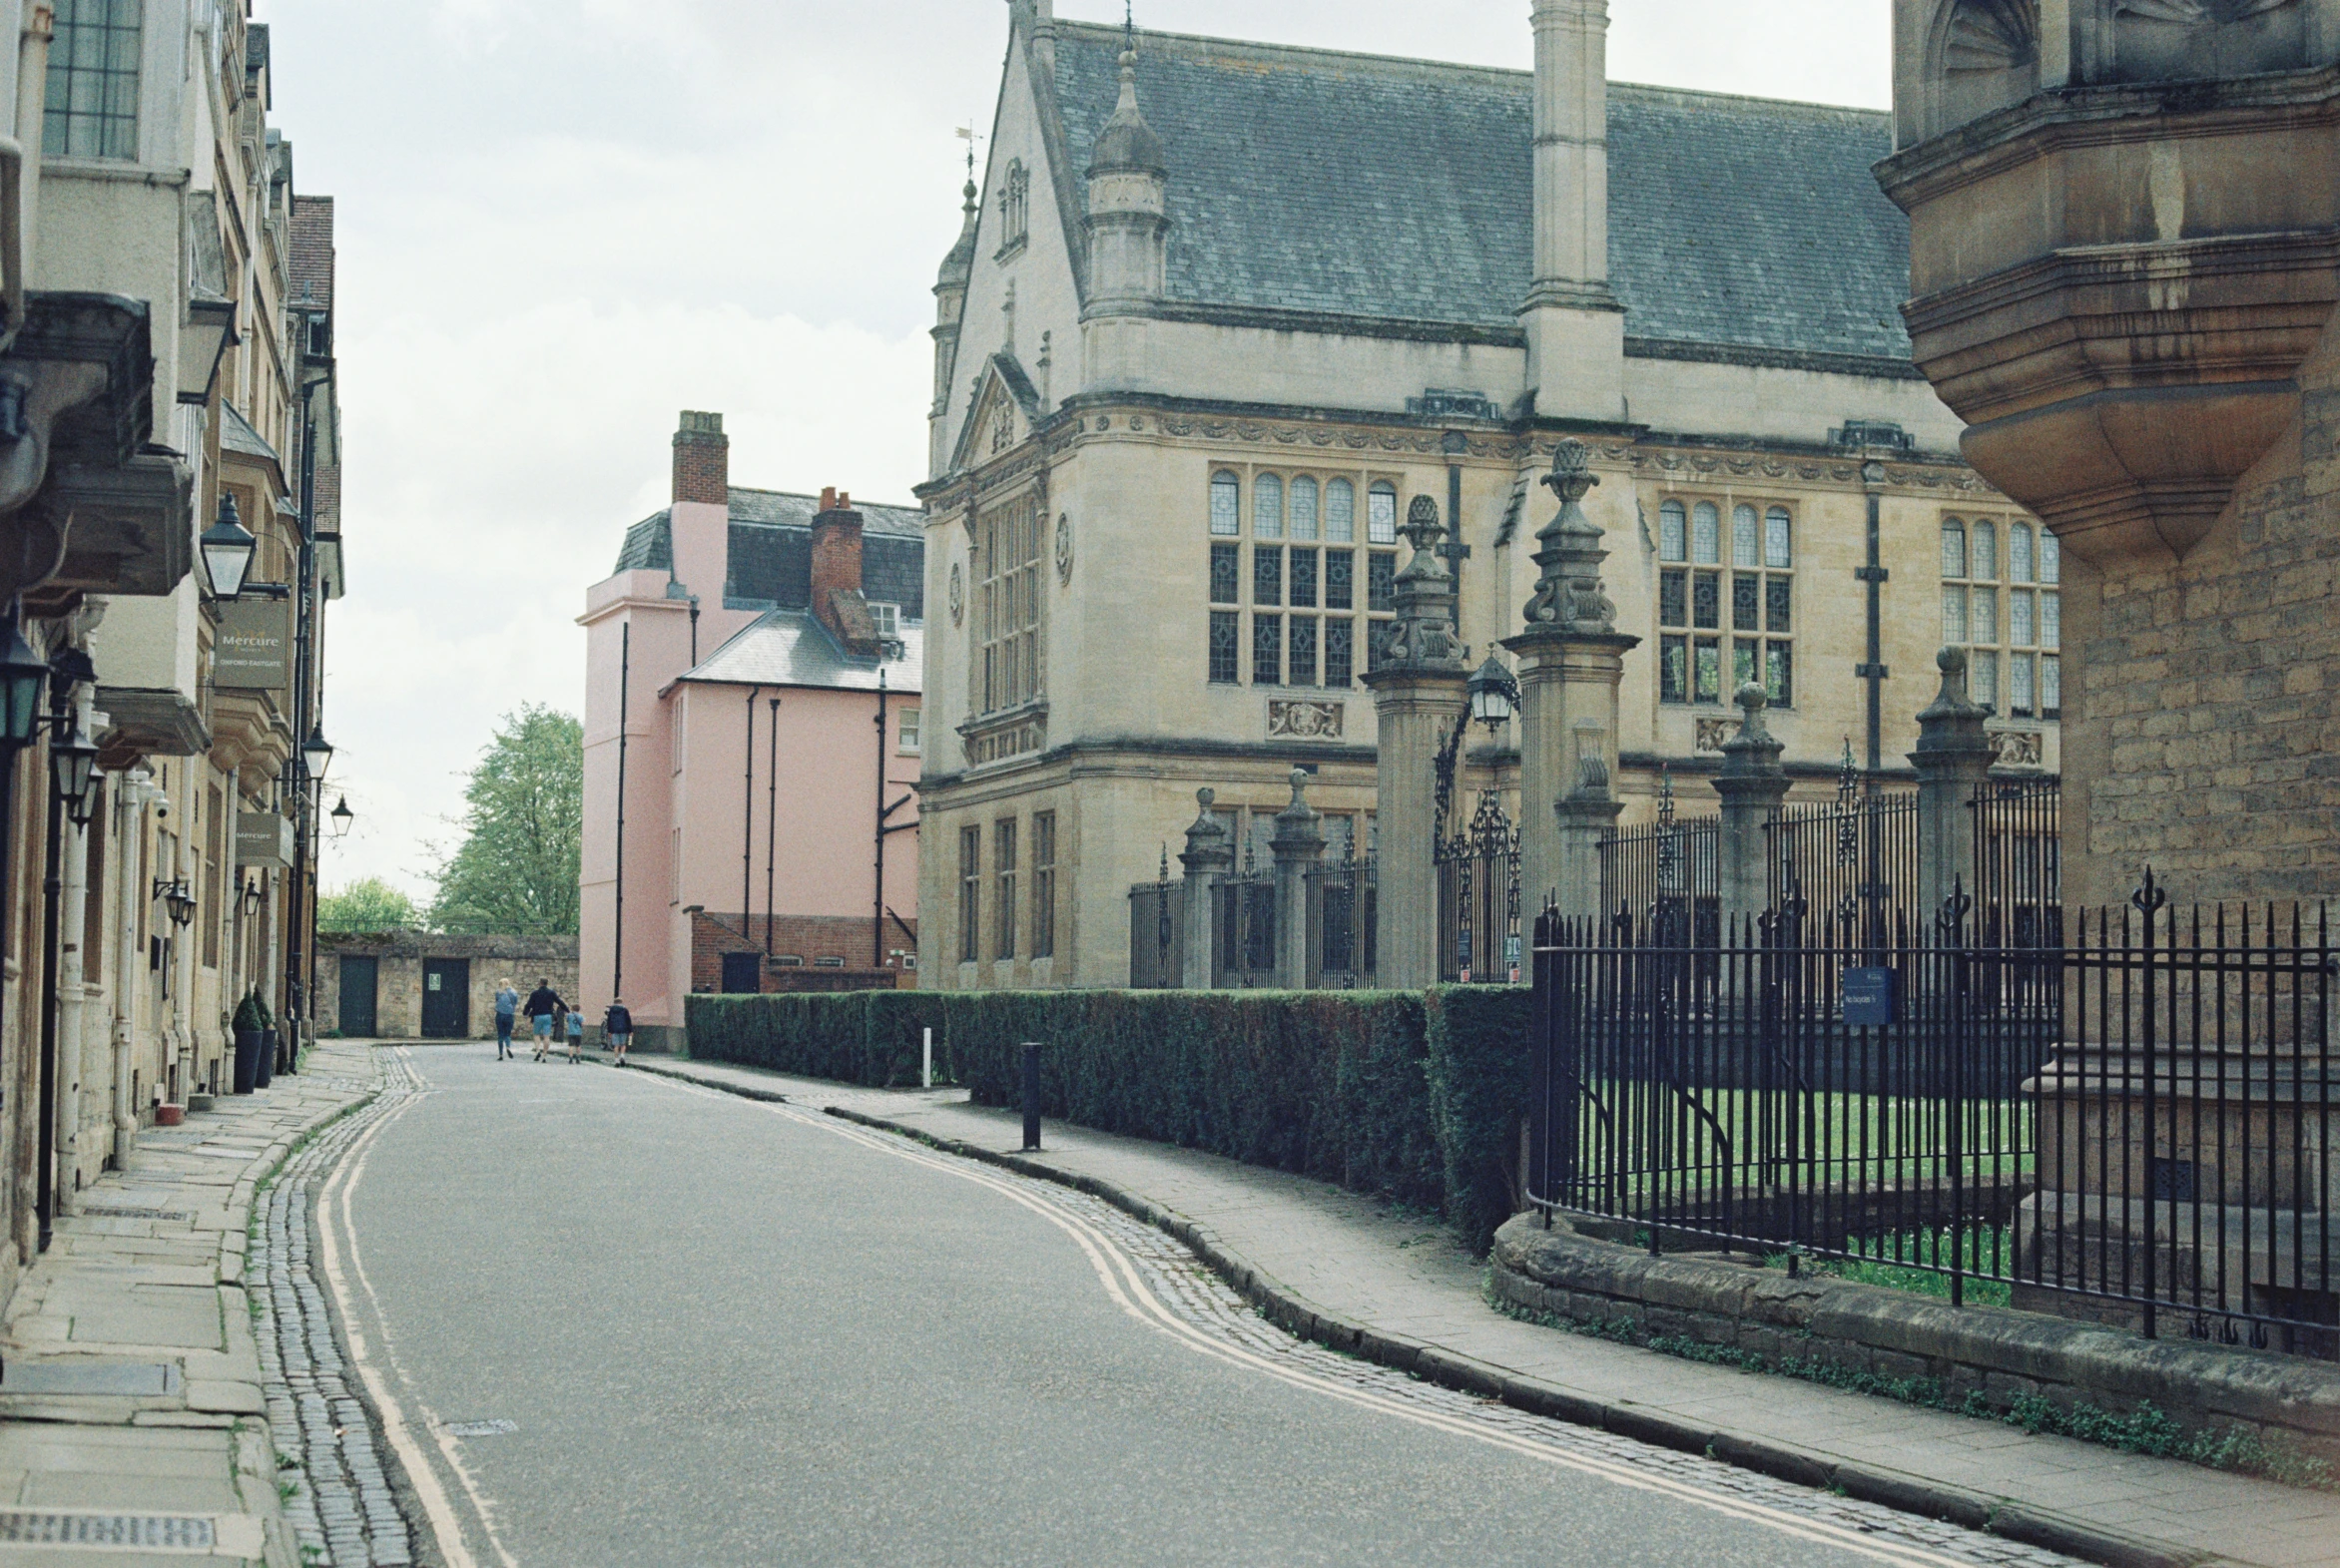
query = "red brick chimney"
x=837 y=573
x=702 y=460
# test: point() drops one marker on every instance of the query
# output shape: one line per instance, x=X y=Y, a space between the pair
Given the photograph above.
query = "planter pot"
x=247 y=1043
x=169 y=1115
x=268 y=1059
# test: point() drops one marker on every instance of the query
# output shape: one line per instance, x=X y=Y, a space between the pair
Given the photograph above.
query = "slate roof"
x=1357 y=184
x=770 y=559
x=237 y=435
x=789 y=648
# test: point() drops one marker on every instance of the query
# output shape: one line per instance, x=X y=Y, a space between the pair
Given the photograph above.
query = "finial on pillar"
x=1568 y=593
x=1422 y=637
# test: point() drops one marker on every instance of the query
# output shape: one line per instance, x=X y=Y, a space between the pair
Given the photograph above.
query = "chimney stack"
x=702 y=460
x=837 y=573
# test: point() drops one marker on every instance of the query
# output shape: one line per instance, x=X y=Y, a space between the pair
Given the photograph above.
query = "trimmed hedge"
x=1416 y=1097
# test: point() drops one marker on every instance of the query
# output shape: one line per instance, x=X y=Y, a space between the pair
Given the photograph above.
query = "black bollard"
x=1031 y=1095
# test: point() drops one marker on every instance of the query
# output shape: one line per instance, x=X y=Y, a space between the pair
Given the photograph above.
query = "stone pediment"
x=1003 y=408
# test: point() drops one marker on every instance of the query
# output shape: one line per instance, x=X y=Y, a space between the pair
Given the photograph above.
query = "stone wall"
x=398 y=987
x=2200 y=725
x=1994 y=1353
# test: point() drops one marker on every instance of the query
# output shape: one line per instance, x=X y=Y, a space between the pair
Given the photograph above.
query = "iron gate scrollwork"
x=1478 y=898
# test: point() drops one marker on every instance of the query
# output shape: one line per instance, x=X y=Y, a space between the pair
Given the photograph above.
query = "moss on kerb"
x=2245 y=1410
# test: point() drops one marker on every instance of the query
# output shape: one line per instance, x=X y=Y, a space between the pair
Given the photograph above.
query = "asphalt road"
x=725 y=1333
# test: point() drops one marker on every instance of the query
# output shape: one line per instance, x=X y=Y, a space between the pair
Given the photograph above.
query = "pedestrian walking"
x=617 y=1024
x=507 y=1012
x=544 y=1010
x=576 y=1022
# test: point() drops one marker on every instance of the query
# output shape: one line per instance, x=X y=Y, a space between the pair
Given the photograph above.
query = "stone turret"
x=1127 y=219
x=950 y=303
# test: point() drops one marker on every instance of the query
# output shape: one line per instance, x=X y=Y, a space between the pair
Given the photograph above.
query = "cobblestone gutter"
x=344 y=1503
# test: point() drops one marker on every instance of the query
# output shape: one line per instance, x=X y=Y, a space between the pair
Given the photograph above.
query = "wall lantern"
x=226 y=550
x=178 y=902
x=23 y=676
x=211 y=324
x=318 y=752
x=73 y=767
x=1494 y=693
x=343 y=816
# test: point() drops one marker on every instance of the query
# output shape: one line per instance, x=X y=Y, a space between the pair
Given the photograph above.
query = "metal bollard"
x=927 y=1062
x=1031 y=1095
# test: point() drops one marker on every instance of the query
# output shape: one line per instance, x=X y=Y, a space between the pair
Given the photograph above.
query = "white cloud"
x=562 y=221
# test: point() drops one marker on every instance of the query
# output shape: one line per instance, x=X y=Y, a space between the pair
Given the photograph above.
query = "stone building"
x=752 y=740
x=2151 y=360
x=166 y=305
x=1187 y=389
x=414 y=985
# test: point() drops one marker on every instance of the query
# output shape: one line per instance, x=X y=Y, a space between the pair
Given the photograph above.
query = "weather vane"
x=1129 y=26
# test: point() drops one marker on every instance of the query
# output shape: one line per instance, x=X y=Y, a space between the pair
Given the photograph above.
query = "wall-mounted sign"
x=253 y=651
x=1868 y=999
x=263 y=838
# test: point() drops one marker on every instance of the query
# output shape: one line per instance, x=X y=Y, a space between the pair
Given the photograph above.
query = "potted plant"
x=268 y=1043
x=249 y=1027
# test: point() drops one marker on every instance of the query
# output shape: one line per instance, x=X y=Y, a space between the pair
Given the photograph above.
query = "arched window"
x=1381 y=513
x=1778 y=539
x=2020 y=567
x=1304 y=508
x=1015 y=202
x=1341 y=512
x=1983 y=552
x=1226 y=505
x=2009 y=631
x=2050 y=558
x=1746 y=537
x=1706 y=534
x=1673 y=532
x=1954 y=547
x=1267 y=507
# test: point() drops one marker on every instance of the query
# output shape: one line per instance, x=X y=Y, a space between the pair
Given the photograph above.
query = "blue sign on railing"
x=1868 y=998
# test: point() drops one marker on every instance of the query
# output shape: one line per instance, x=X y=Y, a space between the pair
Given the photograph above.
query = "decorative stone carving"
x=996 y=741
x=958 y=594
x=1304 y=719
x=1712 y=732
x=1065 y=547
x=1568 y=594
x=1422 y=637
x=2017 y=747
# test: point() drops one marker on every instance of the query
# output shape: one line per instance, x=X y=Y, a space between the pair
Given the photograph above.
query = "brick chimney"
x=837 y=573
x=702 y=460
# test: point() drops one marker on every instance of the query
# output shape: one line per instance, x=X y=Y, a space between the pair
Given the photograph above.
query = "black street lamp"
x=226 y=550
x=73 y=764
x=343 y=816
x=23 y=677
x=317 y=753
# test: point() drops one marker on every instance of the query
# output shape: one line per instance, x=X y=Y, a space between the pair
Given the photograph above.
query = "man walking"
x=508 y=1008
x=545 y=1009
x=617 y=1024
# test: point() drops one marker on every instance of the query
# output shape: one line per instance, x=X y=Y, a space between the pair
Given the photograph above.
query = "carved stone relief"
x=2017 y=747
x=958 y=594
x=1304 y=719
x=1712 y=732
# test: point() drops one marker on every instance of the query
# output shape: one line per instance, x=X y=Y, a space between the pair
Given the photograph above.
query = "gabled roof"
x=1401 y=189
x=769 y=554
x=791 y=648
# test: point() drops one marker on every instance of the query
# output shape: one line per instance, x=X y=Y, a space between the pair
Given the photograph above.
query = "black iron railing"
x=1342 y=907
x=1853 y=862
x=2136 y=1125
x=1156 y=946
x=1479 y=899
x=1246 y=930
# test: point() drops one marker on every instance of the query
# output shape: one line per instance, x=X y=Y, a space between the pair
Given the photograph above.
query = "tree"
x=515 y=873
x=371 y=904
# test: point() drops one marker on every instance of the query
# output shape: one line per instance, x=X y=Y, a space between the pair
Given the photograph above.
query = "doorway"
x=743 y=973
x=446 y=998
x=360 y=990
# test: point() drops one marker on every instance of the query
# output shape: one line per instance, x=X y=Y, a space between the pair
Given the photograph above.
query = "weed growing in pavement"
x=286 y=1491
x=2145 y=1431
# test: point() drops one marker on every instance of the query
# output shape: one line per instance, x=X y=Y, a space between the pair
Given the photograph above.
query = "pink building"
x=752 y=710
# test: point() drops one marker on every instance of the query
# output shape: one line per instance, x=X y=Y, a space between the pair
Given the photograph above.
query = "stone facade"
x=400 y=956
x=1137 y=454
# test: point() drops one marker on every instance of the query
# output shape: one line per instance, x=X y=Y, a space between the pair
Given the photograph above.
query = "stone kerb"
x=1994 y=1353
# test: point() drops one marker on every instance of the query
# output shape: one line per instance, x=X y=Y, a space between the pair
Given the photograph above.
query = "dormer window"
x=888 y=618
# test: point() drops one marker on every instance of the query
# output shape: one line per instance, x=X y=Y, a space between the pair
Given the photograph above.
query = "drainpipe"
x=71 y=971
x=20 y=207
x=748 y=832
x=130 y=806
x=771 y=821
x=617 y=967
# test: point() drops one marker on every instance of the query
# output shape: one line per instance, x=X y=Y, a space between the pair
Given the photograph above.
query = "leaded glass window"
x=1267 y=507
x=1381 y=579
x=2020 y=567
x=1304 y=508
x=2009 y=631
x=1266 y=650
x=1304 y=579
x=1754 y=600
x=1226 y=573
x=1339 y=579
x=1778 y=539
x=94 y=60
x=1267 y=574
x=1303 y=670
x=1381 y=513
x=1226 y=505
x=1226 y=646
x=1340 y=652
x=1004 y=617
x=1706 y=534
x=1954 y=547
x=1341 y=512
x=1673 y=532
x=1983 y=550
x=1746 y=536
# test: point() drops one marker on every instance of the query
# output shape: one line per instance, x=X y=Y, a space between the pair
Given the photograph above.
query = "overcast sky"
x=562 y=221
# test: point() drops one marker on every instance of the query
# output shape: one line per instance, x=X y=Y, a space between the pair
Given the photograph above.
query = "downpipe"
x=130 y=808
x=72 y=922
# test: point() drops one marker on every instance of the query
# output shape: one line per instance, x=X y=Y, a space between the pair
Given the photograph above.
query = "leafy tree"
x=368 y=905
x=515 y=873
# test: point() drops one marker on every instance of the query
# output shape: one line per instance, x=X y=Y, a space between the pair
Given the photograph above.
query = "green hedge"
x=1416 y=1097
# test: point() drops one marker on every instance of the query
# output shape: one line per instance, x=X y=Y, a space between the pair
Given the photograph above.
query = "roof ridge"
x=1509 y=75
x=806 y=495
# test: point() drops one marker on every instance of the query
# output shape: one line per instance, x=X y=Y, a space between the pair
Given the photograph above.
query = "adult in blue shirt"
x=507 y=1010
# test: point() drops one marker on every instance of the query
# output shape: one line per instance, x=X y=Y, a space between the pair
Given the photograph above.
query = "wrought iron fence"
x=1669 y=873
x=1478 y=898
x=1851 y=864
x=1246 y=930
x=2136 y=1125
x=2018 y=885
x=1157 y=948
x=1342 y=902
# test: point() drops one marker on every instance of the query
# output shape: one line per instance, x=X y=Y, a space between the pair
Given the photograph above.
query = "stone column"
x=1572 y=656
x=1297 y=844
x=1752 y=784
x=1953 y=759
x=1418 y=692
x=1209 y=855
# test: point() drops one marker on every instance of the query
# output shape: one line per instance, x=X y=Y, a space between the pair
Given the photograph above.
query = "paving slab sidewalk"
x=133 y=1420
x=1347 y=1258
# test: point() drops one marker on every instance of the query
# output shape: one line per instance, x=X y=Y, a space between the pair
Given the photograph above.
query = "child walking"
x=576 y=1022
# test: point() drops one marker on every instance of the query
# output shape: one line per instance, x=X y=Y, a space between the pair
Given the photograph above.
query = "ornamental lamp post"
x=226 y=550
x=1494 y=693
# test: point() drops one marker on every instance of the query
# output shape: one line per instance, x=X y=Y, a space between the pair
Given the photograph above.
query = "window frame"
x=970 y=894
x=1721 y=620
x=1999 y=662
x=114 y=131
x=1006 y=612
x=1044 y=892
x=1283 y=555
x=1004 y=864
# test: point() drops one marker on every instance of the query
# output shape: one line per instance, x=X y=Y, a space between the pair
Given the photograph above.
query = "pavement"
x=133 y=1405
x=613 y=1318
x=1303 y=1247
